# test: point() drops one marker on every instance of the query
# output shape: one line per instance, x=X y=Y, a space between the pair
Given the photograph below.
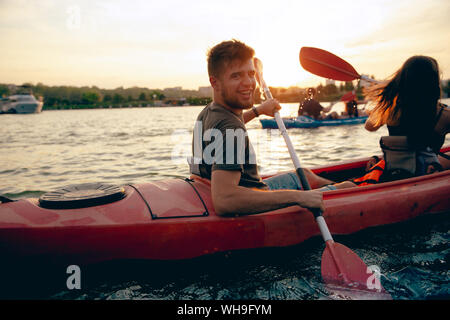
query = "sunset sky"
x=159 y=44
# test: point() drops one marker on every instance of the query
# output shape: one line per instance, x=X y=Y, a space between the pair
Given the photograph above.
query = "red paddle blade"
x=347 y=277
x=349 y=96
x=327 y=65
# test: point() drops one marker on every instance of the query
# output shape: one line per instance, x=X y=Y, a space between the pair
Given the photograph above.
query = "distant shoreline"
x=160 y=105
x=80 y=107
x=80 y=98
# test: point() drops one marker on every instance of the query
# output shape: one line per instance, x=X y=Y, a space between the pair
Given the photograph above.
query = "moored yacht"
x=21 y=103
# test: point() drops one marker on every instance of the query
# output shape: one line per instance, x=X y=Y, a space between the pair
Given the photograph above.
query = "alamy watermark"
x=73 y=21
x=94 y=19
x=214 y=146
x=373 y=281
x=227 y=146
x=74 y=280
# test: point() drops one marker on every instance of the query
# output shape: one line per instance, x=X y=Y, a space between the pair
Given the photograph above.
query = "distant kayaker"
x=222 y=151
x=351 y=108
x=417 y=123
x=351 y=105
x=312 y=108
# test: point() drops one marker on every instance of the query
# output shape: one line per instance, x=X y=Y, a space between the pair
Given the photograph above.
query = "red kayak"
x=175 y=219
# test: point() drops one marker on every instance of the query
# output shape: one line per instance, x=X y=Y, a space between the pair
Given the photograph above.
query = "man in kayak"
x=311 y=107
x=222 y=150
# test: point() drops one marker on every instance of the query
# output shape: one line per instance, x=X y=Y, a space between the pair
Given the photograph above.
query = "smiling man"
x=222 y=148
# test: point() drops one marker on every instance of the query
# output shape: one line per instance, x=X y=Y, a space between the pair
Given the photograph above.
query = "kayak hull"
x=307 y=122
x=175 y=219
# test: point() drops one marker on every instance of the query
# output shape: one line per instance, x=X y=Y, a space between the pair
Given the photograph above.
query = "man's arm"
x=268 y=107
x=230 y=198
x=328 y=109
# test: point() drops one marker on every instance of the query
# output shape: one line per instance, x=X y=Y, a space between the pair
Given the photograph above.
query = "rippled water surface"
x=42 y=152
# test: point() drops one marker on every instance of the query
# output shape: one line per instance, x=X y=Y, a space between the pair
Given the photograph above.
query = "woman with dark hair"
x=409 y=105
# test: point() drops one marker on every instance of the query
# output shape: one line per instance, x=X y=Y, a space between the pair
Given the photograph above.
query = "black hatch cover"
x=81 y=196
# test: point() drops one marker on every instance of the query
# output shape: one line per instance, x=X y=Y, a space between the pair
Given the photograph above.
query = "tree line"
x=68 y=97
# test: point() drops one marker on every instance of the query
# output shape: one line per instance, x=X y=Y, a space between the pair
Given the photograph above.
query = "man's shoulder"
x=315 y=101
x=315 y=104
x=215 y=116
x=308 y=101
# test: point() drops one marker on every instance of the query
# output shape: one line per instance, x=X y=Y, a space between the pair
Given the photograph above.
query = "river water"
x=42 y=152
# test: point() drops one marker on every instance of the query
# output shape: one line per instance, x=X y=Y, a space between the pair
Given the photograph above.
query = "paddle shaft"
x=301 y=175
x=355 y=75
x=328 y=65
x=339 y=260
x=366 y=78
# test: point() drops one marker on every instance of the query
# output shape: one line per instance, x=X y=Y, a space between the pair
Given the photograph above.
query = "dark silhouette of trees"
x=57 y=97
x=4 y=90
x=142 y=97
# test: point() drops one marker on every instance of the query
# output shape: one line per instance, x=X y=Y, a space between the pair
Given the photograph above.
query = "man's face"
x=237 y=84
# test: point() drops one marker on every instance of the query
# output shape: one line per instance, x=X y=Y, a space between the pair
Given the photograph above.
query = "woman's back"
x=408 y=105
x=434 y=139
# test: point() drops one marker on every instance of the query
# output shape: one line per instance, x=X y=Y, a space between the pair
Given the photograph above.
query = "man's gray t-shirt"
x=224 y=145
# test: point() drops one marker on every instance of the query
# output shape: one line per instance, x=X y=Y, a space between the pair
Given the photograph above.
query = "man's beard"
x=234 y=103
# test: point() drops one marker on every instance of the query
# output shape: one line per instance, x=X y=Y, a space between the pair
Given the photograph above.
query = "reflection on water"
x=42 y=152
x=47 y=150
x=412 y=256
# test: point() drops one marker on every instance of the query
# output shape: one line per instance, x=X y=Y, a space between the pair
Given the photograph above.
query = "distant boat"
x=21 y=103
x=308 y=122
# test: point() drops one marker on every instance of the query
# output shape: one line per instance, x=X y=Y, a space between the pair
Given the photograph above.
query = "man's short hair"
x=223 y=53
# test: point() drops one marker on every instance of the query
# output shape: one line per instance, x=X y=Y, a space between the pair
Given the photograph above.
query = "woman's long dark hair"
x=409 y=99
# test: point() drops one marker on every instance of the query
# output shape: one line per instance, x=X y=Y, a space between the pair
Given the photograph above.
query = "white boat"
x=21 y=103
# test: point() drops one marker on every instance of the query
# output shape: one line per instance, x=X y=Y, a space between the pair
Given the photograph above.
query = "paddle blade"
x=327 y=65
x=349 y=96
x=346 y=275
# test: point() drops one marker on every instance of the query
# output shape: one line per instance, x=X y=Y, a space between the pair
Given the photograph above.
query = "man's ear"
x=214 y=82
